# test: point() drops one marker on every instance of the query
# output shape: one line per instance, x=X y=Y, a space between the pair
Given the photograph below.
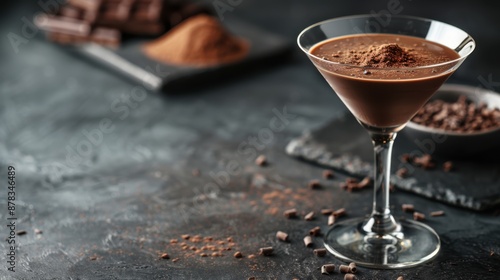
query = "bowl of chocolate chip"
x=458 y=121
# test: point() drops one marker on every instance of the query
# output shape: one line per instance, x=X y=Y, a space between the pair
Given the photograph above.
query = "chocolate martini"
x=388 y=98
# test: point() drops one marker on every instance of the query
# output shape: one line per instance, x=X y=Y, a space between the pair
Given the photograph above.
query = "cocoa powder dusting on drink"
x=386 y=55
x=198 y=41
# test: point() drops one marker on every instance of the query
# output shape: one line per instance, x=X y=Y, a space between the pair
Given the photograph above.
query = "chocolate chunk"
x=418 y=216
x=290 y=213
x=408 y=207
x=327 y=268
x=437 y=213
x=328 y=174
x=316 y=231
x=261 y=160
x=314 y=184
x=282 y=236
x=320 y=252
x=308 y=241
x=251 y=256
x=238 y=255
x=309 y=216
x=266 y=251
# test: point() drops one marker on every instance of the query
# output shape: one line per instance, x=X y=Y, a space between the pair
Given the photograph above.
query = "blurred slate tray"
x=345 y=146
x=130 y=61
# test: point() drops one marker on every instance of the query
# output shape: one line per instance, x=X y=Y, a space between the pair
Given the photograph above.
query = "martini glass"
x=383 y=105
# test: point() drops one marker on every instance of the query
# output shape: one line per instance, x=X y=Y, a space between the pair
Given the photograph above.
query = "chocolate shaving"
x=266 y=251
x=320 y=252
x=316 y=231
x=327 y=269
x=282 y=236
x=308 y=241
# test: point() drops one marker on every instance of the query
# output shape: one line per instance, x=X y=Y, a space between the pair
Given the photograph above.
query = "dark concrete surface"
x=108 y=204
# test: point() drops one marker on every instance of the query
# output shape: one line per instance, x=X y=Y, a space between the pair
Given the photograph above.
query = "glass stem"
x=381 y=221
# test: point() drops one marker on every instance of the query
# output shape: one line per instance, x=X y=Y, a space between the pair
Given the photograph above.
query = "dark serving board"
x=129 y=60
x=344 y=145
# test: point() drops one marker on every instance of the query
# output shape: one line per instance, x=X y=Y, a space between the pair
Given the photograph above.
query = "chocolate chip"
x=331 y=220
x=308 y=241
x=327 y=211
x=320 y=252
x=437 y=213
x=290 y=213
x=315 y=231
x=327 y=268
x=400 y=278
x=238 y=255
x=165 y=256
x=282 y=236
x=314 y=184
x=328 y=174
x=309 y=216
x=266 y=251
x=261 y=160
x=408 y=207
x=203 y=255
x=448 y=166
x=185 y=236
x=418 y=216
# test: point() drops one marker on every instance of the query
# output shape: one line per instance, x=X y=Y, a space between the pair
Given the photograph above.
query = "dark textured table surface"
x=108 y=178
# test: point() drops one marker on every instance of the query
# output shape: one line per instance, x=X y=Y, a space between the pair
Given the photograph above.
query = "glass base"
x=414 y=244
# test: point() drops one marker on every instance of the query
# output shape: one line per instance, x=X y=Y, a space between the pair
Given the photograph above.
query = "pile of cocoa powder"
x=385 y=55
x=198 y=41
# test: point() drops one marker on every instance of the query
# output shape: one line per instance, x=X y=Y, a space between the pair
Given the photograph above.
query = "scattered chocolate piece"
x=327 y=211
x=418 y=216
x=282 y=236
x=448 y=166
x=405 y=158
x=402 y=172
x=173 y=241
x=203 y=255
x=331 y=220
x=165 y=256
x=21 y=232
x=339 y=213
x=185 y=236
x=320 y=252
x=492 y=253
x=251 y=256
x=328 y=174
x=238 y=255
x=309 y=216
x=216 y=254
x=344 y=268
x=315 y=231
x=350 y=276
x=308 y=241
x=175 y=260
x=425 y=161
x=251 y=278
x=408 y=207
x=266 y=251
x=261 y=160
x=229 y=239
x=93 y=258
x=290 y=213
x=327 y=268
x=314 y=184
x=38 y=231
x=352 y=267
x=437 y=213
x=400 y=278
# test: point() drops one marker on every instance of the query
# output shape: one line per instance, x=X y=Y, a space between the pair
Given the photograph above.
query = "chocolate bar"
x=103 y=21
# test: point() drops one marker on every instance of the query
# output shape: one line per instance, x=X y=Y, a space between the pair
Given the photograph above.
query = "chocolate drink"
x=383 y=78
